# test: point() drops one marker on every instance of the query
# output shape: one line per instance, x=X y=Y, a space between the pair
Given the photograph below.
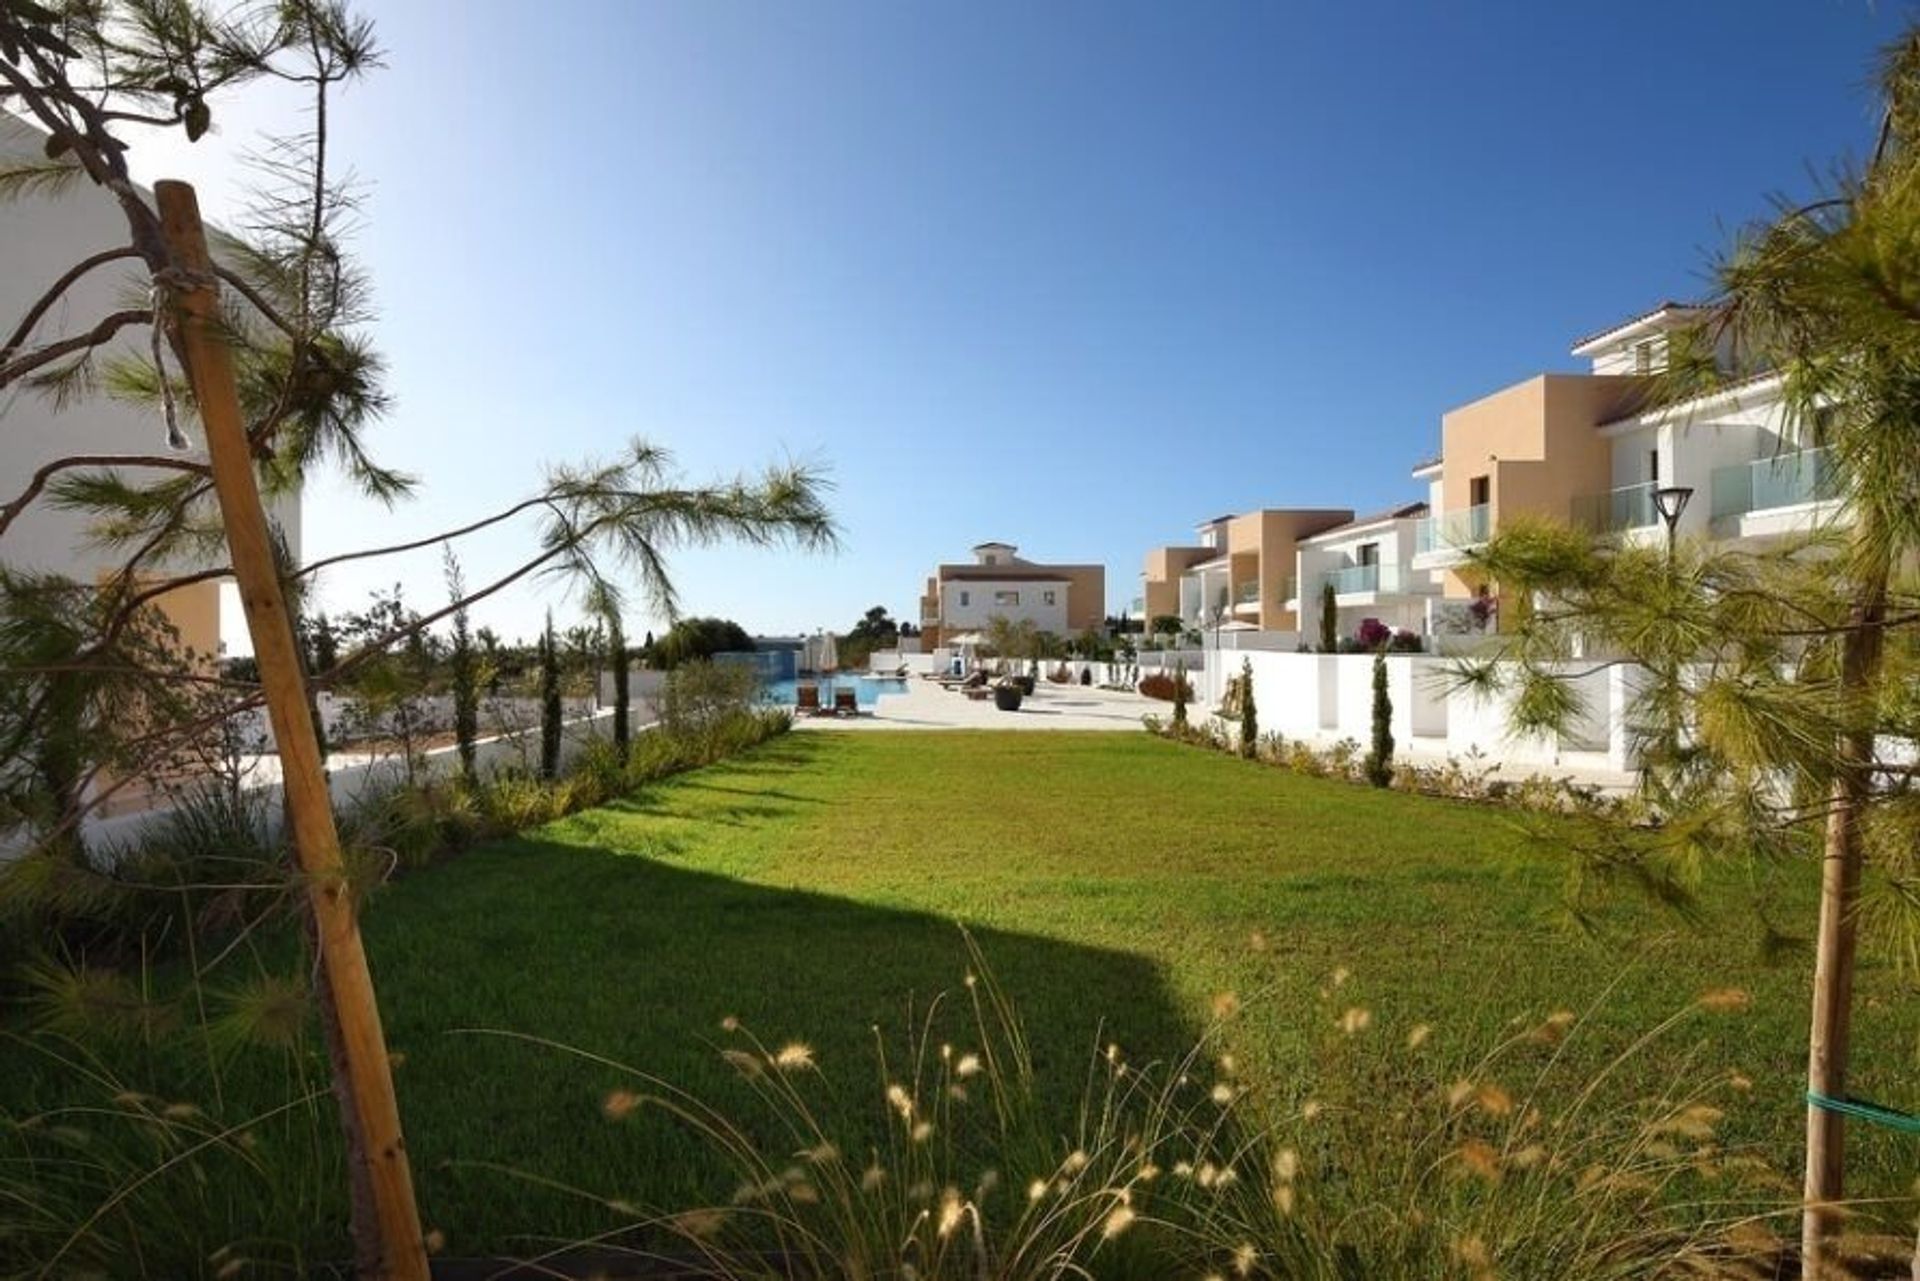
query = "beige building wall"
x=194 y=612
x=1263 y=545
x=1160 y=590
x=1538 y=445
x=1086 y=596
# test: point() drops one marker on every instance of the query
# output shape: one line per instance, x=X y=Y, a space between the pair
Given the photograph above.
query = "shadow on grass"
x=624 y=955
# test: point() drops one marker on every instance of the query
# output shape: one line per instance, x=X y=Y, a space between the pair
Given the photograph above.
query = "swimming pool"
x=867 y=690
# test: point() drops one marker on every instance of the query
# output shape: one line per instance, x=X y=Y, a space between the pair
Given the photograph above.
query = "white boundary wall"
x=352 y=781
x=1323 y=698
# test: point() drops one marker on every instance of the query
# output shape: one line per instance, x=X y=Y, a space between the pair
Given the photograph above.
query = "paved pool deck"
x=922 y=704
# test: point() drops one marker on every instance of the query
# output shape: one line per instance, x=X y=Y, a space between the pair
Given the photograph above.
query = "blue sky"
x=1071 y=275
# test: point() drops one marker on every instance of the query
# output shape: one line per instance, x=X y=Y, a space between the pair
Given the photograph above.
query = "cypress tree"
x=622 y=694
x=549 y=703
x=464 y=677
x=1249 y=718
x=1380 y=758
x=1329 y=619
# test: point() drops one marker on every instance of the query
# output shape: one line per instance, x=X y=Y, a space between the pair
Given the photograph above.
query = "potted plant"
x=1007 y=695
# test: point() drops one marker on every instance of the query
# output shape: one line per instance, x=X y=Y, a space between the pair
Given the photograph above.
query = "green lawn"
x=1115 y=884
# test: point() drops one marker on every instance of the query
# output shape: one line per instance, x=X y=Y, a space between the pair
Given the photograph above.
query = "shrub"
x=1372 y=634
x=207 y=864
x=1169 y=687
x=1405 y=642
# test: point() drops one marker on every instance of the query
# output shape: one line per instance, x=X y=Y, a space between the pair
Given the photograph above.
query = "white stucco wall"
x=972 y=603
x=43 y=237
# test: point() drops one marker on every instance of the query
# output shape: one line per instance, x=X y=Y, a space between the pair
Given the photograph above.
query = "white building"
x=1369 y=563
x=966 y=597
x=41 y=237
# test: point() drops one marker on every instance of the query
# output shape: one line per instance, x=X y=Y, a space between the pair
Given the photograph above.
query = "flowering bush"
x=1372 y=633
x=1165 y=685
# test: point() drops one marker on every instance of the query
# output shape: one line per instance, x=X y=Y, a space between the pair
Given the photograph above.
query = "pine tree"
x=549 y=702
x=1788 y=667
x=1379 y=763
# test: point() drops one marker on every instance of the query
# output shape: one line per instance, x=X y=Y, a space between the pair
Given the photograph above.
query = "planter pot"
x=1007 y=697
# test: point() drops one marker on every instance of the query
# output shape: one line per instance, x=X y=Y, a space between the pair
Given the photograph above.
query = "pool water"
x=867 y=690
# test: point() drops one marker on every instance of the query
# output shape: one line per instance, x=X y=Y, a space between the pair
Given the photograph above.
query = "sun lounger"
x=806 y=700
x=844 y=703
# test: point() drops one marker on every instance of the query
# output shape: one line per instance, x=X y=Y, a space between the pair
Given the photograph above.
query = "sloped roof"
x=1405 y=511
x=1665 y=306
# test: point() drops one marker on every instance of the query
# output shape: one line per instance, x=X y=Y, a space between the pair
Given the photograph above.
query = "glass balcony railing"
x=1287 y=591
x=1453 y=531
x=1629 y=507
x=1247 y=594
x=1363 y=578
x=1784 y=480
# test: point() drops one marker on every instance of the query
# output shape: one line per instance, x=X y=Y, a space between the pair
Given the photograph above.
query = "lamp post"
x=1671 y=501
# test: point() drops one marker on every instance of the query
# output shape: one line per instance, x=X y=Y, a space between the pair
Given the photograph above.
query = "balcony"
x=1784 y=480
x=1453 y=531
x=1352 y=579
x=1617 y=510
x=1247 y=594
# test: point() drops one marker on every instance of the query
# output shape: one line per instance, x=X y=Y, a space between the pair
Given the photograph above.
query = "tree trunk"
x=1829 y=1041
x=363 y=1210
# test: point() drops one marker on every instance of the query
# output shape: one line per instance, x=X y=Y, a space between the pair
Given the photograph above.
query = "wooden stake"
x=309 y=807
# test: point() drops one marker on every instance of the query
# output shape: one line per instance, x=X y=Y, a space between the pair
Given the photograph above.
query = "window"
x=1643 y=356
x=1006 y=598
x=1479 y=491
x=965 y=600
x=1369 y=553
x=1653 y=466
x=1047 y=596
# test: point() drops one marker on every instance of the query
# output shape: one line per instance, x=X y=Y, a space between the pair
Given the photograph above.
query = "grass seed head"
x=794 y=1056
x=1478 y=1158
x=1725 y=1000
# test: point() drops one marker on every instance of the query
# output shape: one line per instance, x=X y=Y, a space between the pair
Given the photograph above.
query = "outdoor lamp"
x=1670 y=501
